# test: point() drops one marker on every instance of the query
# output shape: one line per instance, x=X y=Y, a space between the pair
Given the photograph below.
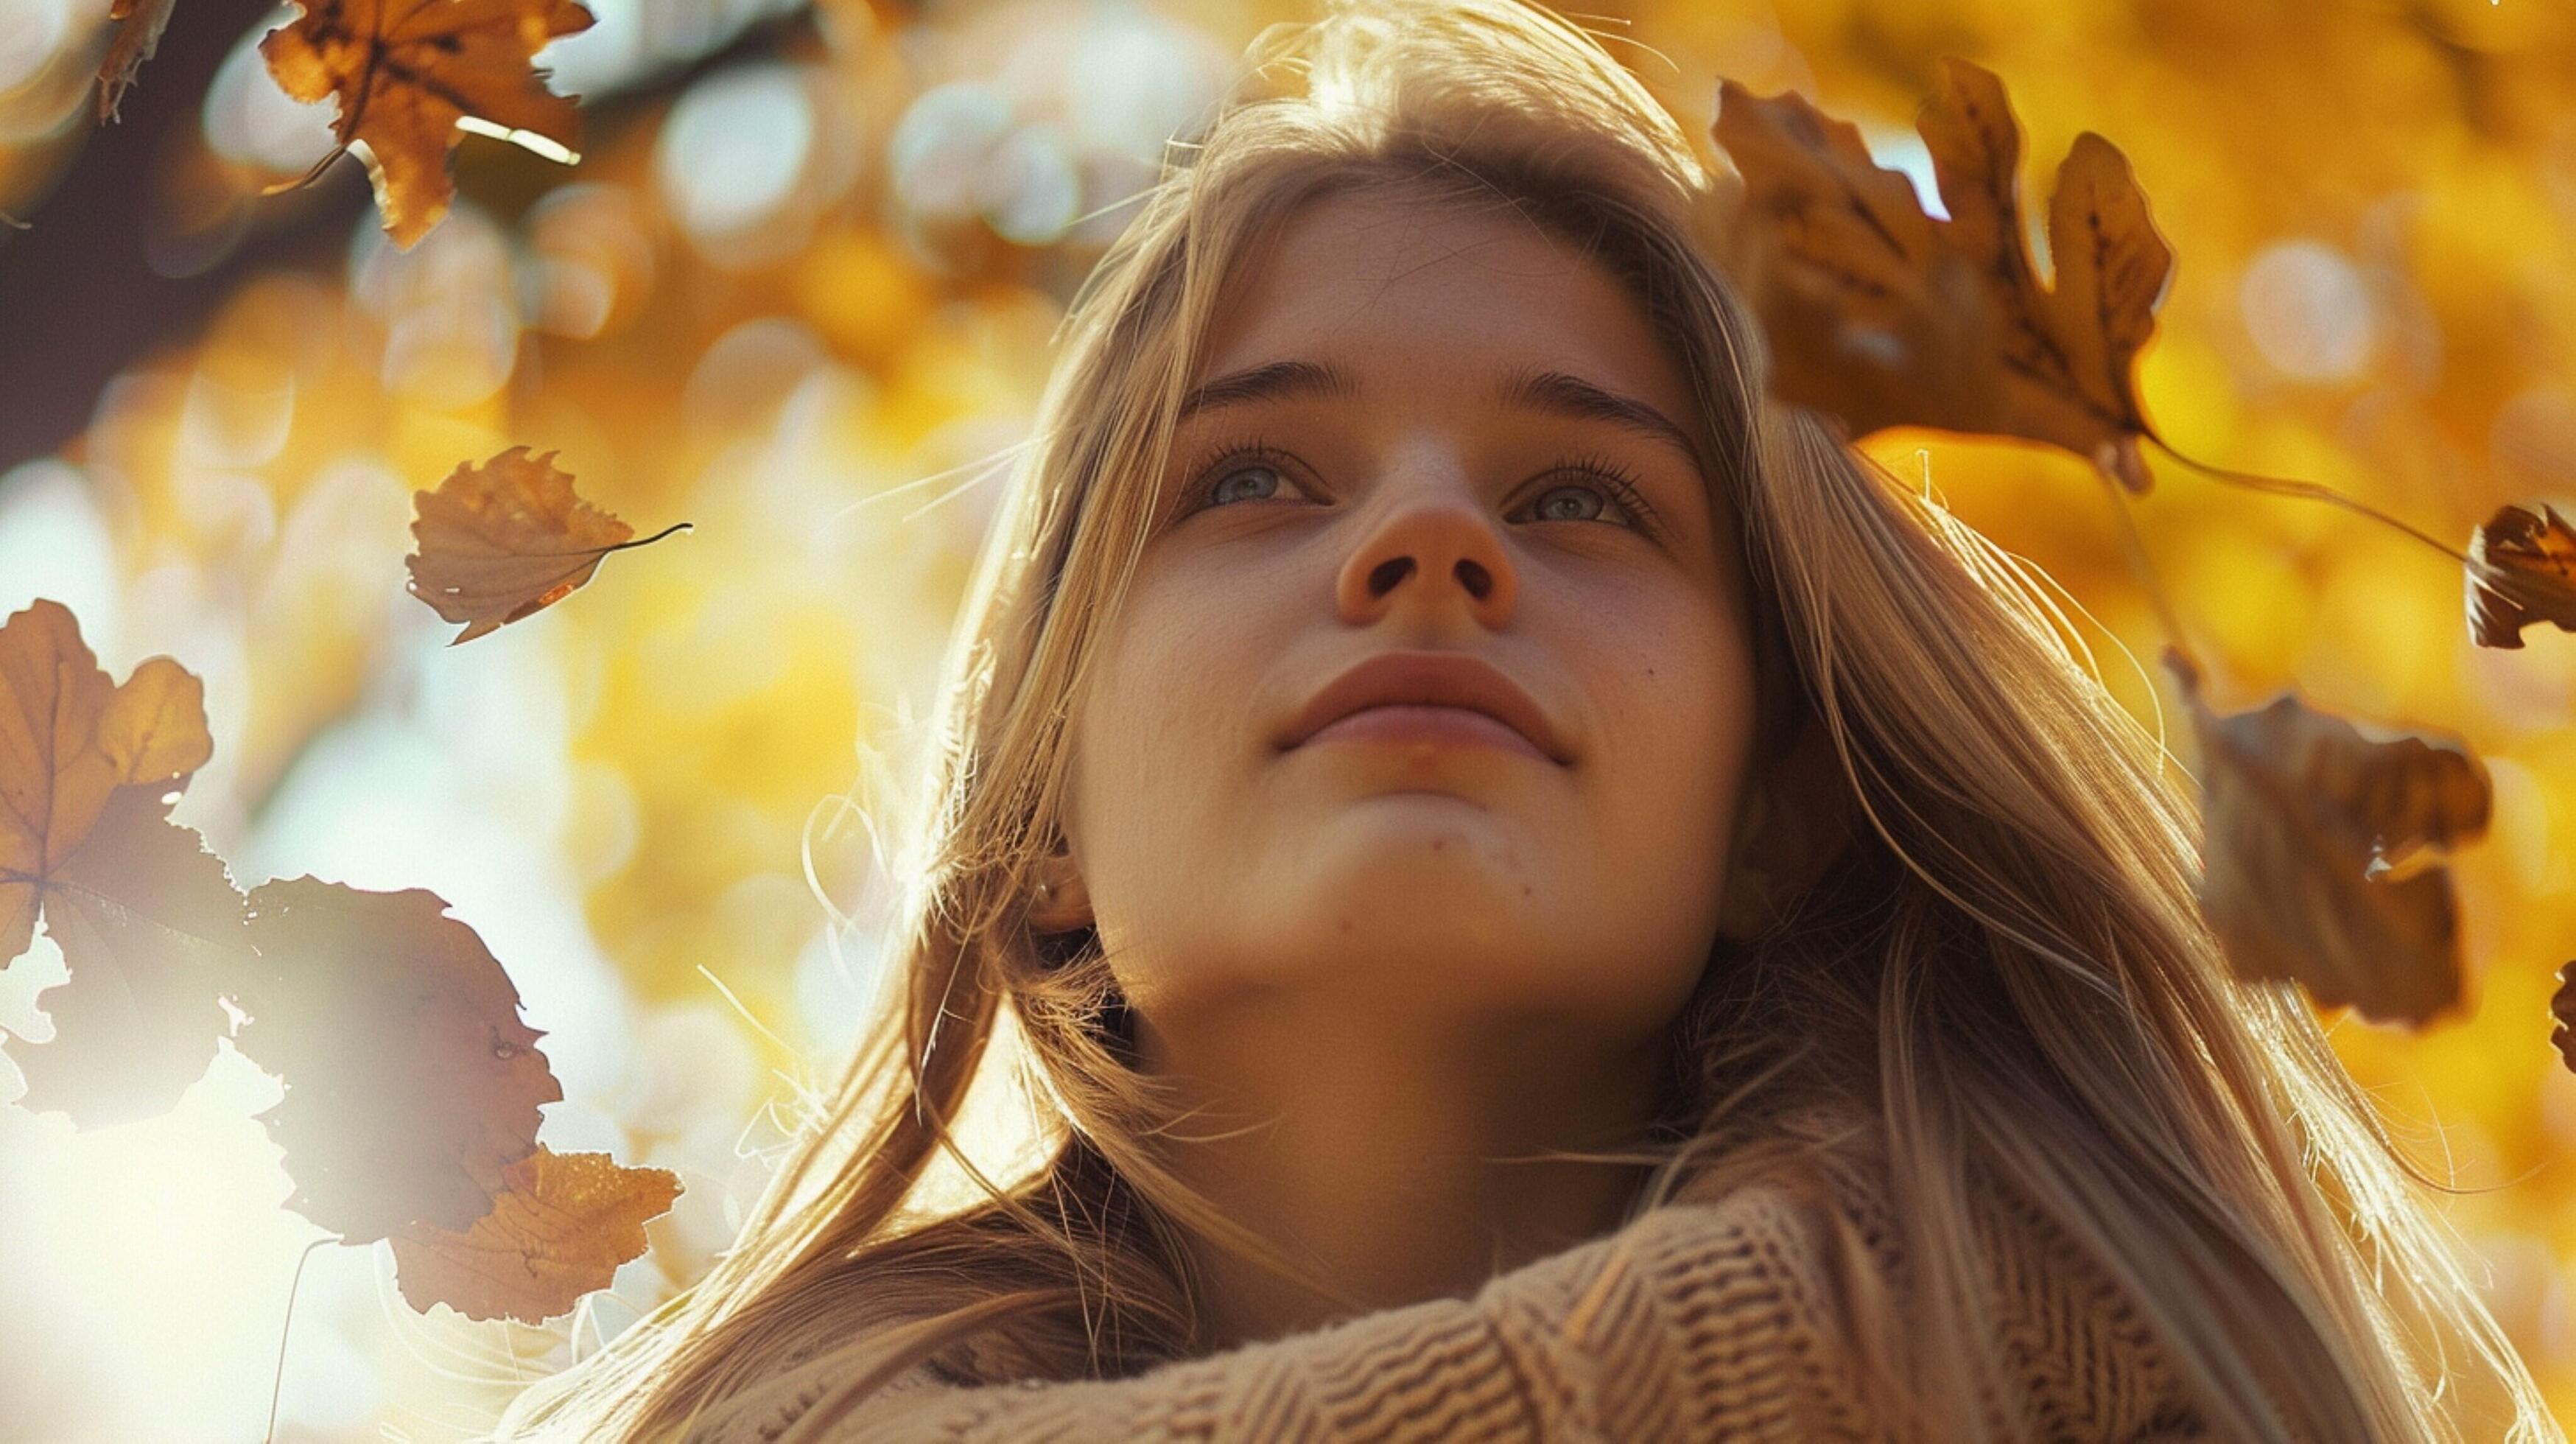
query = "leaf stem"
x=276 y=1385
x=2145 y=570
x=2312 y=491
x=588 y=553
x=647 y=541
x=306 y=179
x=2521 y=585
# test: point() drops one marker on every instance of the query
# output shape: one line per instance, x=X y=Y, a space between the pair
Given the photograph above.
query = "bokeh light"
x=734 y=149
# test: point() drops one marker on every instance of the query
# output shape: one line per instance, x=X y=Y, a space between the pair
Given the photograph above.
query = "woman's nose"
x=1430 y=551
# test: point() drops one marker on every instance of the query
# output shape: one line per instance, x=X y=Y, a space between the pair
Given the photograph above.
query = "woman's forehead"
x=1406 y=288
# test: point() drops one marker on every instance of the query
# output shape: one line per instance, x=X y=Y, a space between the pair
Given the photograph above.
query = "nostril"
x=1388 y=573
x=1478 y=580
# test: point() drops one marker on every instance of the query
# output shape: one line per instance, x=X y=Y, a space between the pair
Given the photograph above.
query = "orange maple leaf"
x=148 y=921
x=1883 y=316
x=2306 y=823
x=406 y=71
x=411 y=1083
x=498 y=542
x=560 y=1230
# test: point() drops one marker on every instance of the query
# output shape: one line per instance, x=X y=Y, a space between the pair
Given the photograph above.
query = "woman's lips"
x=1412 y=722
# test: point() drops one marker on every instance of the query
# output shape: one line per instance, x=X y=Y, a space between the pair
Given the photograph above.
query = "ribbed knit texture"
x=1705 y=1318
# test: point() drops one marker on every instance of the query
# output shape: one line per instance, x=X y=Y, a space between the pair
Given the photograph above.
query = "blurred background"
x=798 y=291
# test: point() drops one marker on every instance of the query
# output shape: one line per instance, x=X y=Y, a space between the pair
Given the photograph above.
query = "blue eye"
x=1217 y=477
x=1554 y=491
x=1604 y=476
x=1224 y=491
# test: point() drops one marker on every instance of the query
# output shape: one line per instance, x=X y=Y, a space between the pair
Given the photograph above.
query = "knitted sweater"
x=1714 y=1315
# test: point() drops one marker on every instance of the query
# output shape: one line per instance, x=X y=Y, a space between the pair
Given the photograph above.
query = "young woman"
x=1543 y=897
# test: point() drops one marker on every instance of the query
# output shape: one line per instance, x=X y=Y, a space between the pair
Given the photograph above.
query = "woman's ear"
x=1058 y=901
x=1796 y=821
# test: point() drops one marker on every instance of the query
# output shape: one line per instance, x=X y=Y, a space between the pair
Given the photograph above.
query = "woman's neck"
x=1375 y=1155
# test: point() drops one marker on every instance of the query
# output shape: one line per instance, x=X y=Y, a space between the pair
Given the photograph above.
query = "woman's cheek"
x=1176 y=694
x=1692 y=703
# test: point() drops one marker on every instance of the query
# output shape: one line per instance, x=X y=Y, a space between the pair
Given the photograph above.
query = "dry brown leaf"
x=2307 y=822
x=2522 y=569
x=1883 y=316
x=68 y=738
x=2562 y=1009
x=139 y=24
x=411 y=1083
x=1870 y=316
x=498 y=542
x=406 y=71
x=149 y=924
x=560 y=1231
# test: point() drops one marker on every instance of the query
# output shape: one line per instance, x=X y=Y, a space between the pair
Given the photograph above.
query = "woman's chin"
x=1431 y=869
x=1445 y=833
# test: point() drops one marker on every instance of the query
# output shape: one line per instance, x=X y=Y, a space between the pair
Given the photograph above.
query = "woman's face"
x=1416 y=424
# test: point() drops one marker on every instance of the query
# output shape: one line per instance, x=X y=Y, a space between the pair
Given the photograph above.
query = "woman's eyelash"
x=1224 y=461
x=1611 y=476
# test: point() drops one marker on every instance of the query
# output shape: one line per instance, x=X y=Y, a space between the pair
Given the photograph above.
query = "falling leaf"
x=411 y=1083
x=2522 y=569
x=498 y=542
x=1868 y=314
x=406 y=71
x=138 y=34
x=68 y=738
x=2306 y=822
x=150 y=927
x=148 y=922
x=560 y=1231
x=2562 y=1008
x=1883 y=316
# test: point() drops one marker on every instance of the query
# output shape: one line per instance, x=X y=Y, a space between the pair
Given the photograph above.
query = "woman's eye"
x=1625 y=508
x=1578 y=513
x=1265 y=483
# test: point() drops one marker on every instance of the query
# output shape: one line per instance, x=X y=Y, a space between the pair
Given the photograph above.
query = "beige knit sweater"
x=1713 y=1316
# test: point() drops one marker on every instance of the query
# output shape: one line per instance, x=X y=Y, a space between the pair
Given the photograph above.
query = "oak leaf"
x=560 y=1230
x=1884 y=316
x=2522 y=569
x=411 y=1083
x=2306 y=823
x=139 y=24
x=406 y=71
x=498 y=542
x=149 y=923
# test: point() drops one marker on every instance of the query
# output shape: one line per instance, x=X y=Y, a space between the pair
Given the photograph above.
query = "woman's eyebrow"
x=1532 y=388
x=1535 y=388
x=1272 y=381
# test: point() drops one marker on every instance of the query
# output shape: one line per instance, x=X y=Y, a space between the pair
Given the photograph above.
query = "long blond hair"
x=2005 y=966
